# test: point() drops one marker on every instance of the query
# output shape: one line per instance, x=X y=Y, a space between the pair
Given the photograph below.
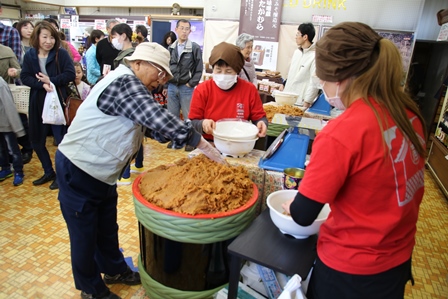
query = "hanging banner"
x=100 y=25
x=138 y=22
x=75 y=21
x=65 y=23
x=261 y=18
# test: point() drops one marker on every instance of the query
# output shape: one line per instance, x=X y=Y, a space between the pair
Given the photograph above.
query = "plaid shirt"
x=10 y=37
x=127 y=96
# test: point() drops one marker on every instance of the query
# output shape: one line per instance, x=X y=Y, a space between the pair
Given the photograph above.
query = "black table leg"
x=234 y=276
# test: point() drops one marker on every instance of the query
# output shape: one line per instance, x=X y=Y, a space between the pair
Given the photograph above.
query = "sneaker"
x=128 y=277
x=135 y=169
x=106 y=295
x=18 y=179
x=4 y=174
x=124 y=181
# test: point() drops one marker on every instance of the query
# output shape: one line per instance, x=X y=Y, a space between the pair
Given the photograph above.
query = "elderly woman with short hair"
x=246 y=43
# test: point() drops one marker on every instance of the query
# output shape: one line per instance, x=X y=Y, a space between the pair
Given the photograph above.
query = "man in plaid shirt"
x=10 y=37
x=101 y=141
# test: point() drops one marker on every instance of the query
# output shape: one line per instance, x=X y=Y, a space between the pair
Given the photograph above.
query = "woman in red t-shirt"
x=368 y=164
x=226 y=95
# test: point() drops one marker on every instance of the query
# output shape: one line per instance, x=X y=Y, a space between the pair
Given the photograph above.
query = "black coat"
x=59 y=77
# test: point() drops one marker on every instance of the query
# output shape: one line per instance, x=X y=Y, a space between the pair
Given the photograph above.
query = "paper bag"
x=293 y=289
x=53 y=113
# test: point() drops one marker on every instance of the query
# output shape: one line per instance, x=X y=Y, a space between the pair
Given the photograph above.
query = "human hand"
x=12 y=72
x=210 y=151
x=262 y=129
x=286 y=206
x=281 y=87
x=43 y=78
x=165 y=92
x=47 y=87
x=208 y=125
x=306 y=104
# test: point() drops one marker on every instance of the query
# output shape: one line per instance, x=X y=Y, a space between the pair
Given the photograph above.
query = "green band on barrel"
x=156 y=290
x=190 y=230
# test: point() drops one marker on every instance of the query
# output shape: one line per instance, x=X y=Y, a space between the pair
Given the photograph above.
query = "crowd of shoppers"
x=353 y=247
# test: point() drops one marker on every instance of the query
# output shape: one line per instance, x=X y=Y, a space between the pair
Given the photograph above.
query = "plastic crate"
x=21 y=95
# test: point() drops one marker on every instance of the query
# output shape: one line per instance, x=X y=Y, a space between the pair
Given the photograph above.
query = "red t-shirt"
x=211 y=102
x=374 y=201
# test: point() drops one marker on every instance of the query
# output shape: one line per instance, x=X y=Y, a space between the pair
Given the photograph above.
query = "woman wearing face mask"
x=122 y=40
x=368 y=164
x=226 y=95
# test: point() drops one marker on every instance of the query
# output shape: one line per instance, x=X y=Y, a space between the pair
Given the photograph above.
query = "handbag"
x=73 y=99
x=72 y=103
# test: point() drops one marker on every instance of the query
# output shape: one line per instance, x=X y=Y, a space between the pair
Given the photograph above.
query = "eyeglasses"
x=162 y=74
x=299 y=34
x=184 y=28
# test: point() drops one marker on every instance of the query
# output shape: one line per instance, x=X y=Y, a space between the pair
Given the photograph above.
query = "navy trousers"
x=89 y=207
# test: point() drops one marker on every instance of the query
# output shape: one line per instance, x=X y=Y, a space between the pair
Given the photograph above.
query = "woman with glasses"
x=368 y=164
x=101 y=141
x=246 y=43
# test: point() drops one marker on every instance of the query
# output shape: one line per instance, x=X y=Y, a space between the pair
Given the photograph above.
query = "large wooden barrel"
x=184 y=256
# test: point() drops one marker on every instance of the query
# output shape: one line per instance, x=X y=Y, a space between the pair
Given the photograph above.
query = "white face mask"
x=225 y=81
x=334 y=101
x=117 y=45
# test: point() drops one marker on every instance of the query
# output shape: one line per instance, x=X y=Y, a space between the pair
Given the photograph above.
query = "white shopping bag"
x=293 y=289
x=53 y=113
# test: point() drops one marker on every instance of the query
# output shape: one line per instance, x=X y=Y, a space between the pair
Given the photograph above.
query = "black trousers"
x=24 y=141
x=328 y=283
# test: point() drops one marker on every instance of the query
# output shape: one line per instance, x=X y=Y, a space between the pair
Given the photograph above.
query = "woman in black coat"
x=45 y=62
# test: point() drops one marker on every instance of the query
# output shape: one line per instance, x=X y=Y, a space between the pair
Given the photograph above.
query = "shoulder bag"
x=73 y=99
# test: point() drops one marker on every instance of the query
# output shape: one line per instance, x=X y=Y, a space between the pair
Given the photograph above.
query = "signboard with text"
x=261 y=18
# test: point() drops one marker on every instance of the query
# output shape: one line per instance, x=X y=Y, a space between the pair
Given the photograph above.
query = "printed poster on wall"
x=405 y=44
x=65 y=23
x=261 y=18
x=100 y=25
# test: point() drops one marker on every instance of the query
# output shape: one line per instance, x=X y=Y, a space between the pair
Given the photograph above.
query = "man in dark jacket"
x=186 y=67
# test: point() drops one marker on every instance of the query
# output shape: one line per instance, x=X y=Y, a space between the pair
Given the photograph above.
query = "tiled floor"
x=35 y=253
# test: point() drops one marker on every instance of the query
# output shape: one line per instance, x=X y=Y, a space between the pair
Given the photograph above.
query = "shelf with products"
x=442 y=125
x=437 y=161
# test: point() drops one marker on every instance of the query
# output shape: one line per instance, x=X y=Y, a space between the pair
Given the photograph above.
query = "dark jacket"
x=59 y=77
x=187 y=69
x=106 y=53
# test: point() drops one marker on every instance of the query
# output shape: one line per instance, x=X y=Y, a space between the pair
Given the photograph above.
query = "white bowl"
x=285 y=223
x=285 y=98
x=234 y=147
x=233 y=128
